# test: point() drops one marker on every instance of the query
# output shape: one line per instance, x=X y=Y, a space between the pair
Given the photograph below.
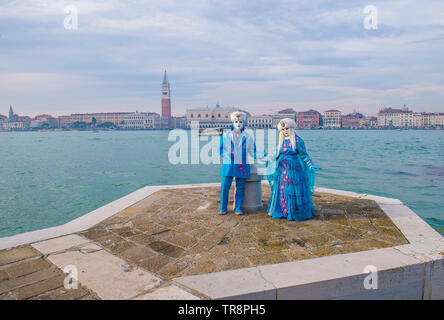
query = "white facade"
x=216 y=117
x=264 y=121
x=15 y=125
x=398 y=118
x=407 y=119
x=332 y=119
x=144 y=121
x=428 y=120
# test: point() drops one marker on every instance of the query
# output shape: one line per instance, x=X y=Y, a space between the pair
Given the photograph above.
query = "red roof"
x=390 y=110
x=289 y=110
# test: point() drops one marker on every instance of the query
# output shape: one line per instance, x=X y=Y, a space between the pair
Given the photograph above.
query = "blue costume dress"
x=292 y=183
x=234 y=151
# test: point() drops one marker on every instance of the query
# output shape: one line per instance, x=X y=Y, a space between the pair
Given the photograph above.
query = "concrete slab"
x=245 y=283
x=34 y=236
x=59 y=244
x=106 y=274
x=341 y=275
x=413 y=227
x=171 y=292
x=435 y=280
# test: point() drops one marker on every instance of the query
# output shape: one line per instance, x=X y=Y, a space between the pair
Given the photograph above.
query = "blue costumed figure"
x=235 y=145
x=292 y=178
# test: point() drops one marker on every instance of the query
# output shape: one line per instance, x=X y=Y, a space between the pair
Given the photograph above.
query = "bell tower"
x=166 y=99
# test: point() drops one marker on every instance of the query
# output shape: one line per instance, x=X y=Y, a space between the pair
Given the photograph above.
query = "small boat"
x=211 y=131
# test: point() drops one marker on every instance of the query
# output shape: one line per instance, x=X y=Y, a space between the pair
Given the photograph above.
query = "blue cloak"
x=292 y=183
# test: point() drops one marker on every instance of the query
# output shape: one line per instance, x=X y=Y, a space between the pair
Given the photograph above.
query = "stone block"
x=17 y=254
x=27 y=267
x=171 y=292
x=39 y=287
x=106 y=274
x=238 y=284
x=59 y=244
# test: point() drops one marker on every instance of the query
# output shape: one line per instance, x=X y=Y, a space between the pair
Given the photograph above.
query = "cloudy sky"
x=261 y=55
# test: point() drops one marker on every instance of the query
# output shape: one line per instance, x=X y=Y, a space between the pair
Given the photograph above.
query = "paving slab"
x=245 y=283
x=27 y=267
x=170 y=292
x=106 y=274
x=59 y=244
x=17 y=254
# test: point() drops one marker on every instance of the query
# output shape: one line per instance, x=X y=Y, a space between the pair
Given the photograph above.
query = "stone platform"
x=178 y=232
x=169 y=243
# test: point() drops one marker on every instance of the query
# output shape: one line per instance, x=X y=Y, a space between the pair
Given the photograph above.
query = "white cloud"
x=48 y=83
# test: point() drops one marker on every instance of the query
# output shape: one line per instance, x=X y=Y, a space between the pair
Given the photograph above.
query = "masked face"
x=286 y=132
x=238 y=125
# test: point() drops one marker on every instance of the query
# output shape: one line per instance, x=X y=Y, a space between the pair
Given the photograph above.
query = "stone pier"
x=168 y=242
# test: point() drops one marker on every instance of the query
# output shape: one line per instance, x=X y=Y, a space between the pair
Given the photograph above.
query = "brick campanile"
x=166 y=99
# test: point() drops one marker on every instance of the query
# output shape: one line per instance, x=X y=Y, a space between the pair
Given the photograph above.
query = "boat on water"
x=211 y=131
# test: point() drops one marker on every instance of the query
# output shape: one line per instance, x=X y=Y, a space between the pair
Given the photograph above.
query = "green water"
x=50 y=178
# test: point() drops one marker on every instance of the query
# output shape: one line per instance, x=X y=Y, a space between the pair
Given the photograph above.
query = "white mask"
x=286 y=132
x=238 y=125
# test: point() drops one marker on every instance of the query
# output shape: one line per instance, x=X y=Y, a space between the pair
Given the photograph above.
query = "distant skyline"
x=262 y=56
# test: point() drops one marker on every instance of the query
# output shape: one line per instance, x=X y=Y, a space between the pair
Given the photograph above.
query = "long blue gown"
x=292 y=183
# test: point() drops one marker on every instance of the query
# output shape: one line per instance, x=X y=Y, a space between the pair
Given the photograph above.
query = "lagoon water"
x=50 y=178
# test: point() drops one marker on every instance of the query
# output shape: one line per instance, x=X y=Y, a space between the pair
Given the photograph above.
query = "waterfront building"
x=114 y=117
x=428 y=120
x=397 y=118
x=352 y=120
x=308 y=119
x=260 y=122
x=2 y=120
x=43 y=117
x=440 y=119
x=24 y=118
x=368 y=122
x=144 y=120
x=166 y=98
x=217 y=117
x=332 y=119
x=64 y=121
x=15 y=125
x=286 y=113
x=417 y=120
x=179 y=122
x=35 y=124
x=12 y=116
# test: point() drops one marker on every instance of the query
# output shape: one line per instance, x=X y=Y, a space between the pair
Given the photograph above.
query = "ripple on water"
x=402 y=173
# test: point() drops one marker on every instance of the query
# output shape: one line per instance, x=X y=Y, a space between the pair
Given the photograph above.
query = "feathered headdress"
x=237 y=115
